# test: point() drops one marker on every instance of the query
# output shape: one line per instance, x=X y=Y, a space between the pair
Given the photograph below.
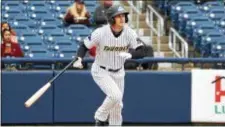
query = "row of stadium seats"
x=202 y=25
x=37 y=10
x=51 y=40
x=44 y=35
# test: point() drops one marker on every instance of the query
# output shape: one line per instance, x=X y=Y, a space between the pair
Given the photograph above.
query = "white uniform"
x=107 y=58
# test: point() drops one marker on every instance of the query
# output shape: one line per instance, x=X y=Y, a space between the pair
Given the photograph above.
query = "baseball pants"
x=112 y=84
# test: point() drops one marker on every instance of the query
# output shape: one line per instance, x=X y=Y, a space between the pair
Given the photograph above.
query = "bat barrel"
x=37 y=95
x=42 y=90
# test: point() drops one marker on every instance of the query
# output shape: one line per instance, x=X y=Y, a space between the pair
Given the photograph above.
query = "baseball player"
x=112 y=42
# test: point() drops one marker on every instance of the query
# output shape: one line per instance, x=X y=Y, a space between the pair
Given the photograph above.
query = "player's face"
x=120 y=20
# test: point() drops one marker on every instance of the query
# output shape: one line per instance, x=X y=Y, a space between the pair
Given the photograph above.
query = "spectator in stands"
x=99 y=14
x=77 y=13
x=5 y=25
x=8 y=47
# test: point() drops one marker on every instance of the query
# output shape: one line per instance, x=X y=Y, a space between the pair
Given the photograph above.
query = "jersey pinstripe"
x=108 y=46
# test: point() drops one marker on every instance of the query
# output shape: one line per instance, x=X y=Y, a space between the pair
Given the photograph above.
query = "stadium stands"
x=40 y=31
x=202 y=25
x=39 y=26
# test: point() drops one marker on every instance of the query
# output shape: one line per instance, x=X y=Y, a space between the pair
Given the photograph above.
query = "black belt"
x=111 y=70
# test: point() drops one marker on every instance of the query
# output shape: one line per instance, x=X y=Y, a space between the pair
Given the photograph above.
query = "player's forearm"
x=82 y=51
x=138 y=53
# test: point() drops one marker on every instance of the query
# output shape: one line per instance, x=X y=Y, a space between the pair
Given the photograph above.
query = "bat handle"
x=62 y=70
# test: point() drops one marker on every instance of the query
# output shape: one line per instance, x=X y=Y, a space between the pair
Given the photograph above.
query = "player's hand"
x=77 y=63
x=125 y=55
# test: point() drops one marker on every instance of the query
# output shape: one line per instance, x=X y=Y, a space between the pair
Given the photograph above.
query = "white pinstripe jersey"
x=108 y=46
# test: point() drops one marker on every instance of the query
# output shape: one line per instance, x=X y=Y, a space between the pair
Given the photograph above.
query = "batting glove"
x=78 y=64
x=125 y=55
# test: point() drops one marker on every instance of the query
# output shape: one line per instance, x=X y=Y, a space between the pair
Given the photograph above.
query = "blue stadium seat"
x=61 y=6
x=33 y=46
x=12 y=3
x=64 y=3
x=78 y=30
x=218 y=49
x=36 y=3
x=39 y=14
x=48 y=29
x=194 y=22
x=90 y=4
x=50 y=21
x=207 y=6
x=178 y=14
x=202 y=31
x=19 y=28
x=9 y=15
x=208 y=40
x=29 y=39
x=67 y=53
x=185 y=16
x=221 y=23
x=216 y=14
x=40 y=53
x=60 y=9
x=27 y=34
x=62 y=45
x=37 y=8
x=26 y=21
x=178 y=8
x=57 y=36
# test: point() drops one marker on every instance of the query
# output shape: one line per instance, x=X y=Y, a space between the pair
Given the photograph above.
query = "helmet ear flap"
x=126 y=18
x=111 y=21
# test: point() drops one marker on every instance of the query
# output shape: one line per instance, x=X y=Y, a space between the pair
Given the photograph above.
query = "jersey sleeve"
x=93 y=39
x=134 y=42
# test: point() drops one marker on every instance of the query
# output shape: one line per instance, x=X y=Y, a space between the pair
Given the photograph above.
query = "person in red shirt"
x=8 y=47
x=5 y=25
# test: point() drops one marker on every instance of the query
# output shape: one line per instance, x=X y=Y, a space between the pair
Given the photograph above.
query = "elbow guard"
x=82 y=51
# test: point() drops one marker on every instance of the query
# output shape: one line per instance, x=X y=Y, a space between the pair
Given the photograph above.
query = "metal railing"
x=159 y=31
x=91 y=60
x=177 y=45
x=53 y=61
x=134 y=8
